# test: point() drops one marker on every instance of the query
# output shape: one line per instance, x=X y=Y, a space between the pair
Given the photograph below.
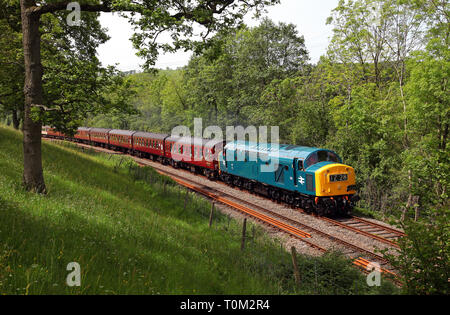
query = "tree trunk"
x=15 y=119
x=33 y=177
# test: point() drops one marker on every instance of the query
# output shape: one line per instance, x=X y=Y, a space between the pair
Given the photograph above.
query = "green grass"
x=129 y=231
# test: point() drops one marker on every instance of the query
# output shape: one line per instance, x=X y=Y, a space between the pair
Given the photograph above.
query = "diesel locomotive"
x=310 y=178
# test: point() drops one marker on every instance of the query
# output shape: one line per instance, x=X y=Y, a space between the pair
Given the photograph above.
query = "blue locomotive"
x=310 y=178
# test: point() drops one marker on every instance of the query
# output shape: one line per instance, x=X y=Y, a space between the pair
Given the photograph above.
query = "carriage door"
x=294 y=168
x=299 y=173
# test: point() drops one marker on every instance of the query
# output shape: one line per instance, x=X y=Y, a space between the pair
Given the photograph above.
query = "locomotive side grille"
x=309 y=182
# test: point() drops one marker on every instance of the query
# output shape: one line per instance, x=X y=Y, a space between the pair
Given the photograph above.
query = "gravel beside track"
x=317 y=224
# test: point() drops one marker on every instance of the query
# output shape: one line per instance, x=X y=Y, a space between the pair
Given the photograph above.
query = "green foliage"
x=131 y=231
x=189 y=23
x=379 y=97
x=74 y=82
x=423 y=259
x=228 y=87
x=11 y=62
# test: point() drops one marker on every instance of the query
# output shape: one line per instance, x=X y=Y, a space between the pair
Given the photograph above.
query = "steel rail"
x=292 y=231
x=359 y=231
x=278 y=224
x=354 y=229
x=355 y=248
x=360 y=261
x=386 y=228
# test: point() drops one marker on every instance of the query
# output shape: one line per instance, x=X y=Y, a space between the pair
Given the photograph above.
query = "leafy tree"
x=229 y=80
x=423 y=259
x=152 y=18
x=11 y=65
x=429 y=116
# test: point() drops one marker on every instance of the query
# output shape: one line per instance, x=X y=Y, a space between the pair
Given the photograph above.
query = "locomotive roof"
x=121 y=132
x=150 y=135
x=84 y=128
x=285 y=150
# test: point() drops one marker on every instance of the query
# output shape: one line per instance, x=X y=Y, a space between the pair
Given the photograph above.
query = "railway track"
x=243 y=206
x=368 y=228
x=289 y=226
x=357 y=252
x=378 y=232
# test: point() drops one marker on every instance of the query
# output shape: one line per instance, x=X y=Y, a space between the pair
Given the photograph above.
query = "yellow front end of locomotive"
x=335 y=180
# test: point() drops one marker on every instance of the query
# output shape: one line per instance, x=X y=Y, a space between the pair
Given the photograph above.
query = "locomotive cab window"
x=321 y=156
x=300 y=165
x=325 y=156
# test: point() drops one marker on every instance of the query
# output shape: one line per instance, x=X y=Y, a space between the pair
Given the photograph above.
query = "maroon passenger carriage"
x=52 y=133
x=196 y=154
x=82 y=135
x=99 y=137
x=121 y=140
x=149 y=145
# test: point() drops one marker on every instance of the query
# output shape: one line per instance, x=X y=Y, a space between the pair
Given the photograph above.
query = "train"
x=309 y=178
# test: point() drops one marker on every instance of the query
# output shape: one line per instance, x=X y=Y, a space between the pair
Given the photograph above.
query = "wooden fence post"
x=294 y=263
x=244 y=227
x=211 y=215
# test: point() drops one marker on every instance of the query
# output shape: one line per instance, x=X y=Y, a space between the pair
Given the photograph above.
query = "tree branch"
x=58 y=6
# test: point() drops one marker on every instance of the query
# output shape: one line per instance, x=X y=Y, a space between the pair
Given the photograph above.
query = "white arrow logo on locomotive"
x=301 y=180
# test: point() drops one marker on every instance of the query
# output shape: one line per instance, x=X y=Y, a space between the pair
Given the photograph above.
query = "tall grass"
x=131 y=233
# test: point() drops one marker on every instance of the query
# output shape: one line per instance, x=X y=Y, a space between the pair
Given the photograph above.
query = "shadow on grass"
x=110 y=259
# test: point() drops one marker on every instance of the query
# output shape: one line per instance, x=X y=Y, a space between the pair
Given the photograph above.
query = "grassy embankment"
x=131 y=234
